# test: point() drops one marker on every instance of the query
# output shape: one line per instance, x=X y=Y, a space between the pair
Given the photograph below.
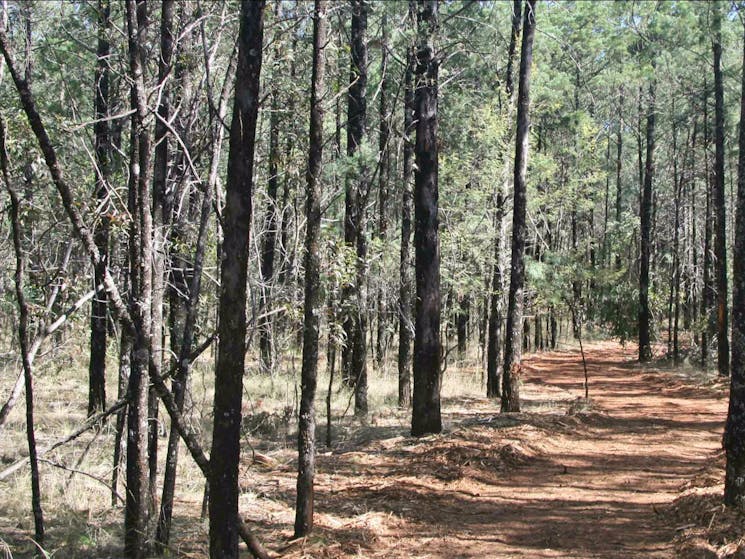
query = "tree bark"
x=720 y=237
x=383 y=179
x=23 y=337
x=354 y=354
x=160 y=225
x=266 y=342
x=734 y=431
x=102 y=150
x=311 y=323
x=493 y=388
x=405 y=326
x=645 y=210
x=427 y=347
x=513 y=335
x=225 y=452
x=141 y=231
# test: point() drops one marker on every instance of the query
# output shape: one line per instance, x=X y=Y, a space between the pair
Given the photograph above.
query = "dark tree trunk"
x=462 y=318
x=160 y=223
x=707 y=296
x=734 y=432
x=225 y=453
x=383 y=179
x=405 y=326
x=720 y=237
x=427 y=349
x=493 y=388
x=266 y=342
x=354 y=354
x=619 y=153
x=136 y=514
x=102 y=150
x=513 y=334
x=645 y=211
x=307 y=420
x=23 y=337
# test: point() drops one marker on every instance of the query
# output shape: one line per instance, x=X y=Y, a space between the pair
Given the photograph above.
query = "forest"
x=366 y=278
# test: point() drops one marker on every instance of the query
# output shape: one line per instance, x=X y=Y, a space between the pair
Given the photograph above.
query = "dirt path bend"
x=593 y=485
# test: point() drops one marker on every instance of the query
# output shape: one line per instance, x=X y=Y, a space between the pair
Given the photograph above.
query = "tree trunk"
x=383 y=179
x=619 y=153
x=493 y=388
x=136 y=514
x=645 y=211
x=427 y=348
x=160 y=224
x=266 y=342
x=225 y=452
x=102 y=150
x=707 y=297
x=513 y=334
x=23 y=337
x=307 y=420
x=405 y=326
x=354 y=354
x=720 y=238
x=734 y=431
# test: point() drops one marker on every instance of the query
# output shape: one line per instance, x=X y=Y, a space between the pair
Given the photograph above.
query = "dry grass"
x=80 y=520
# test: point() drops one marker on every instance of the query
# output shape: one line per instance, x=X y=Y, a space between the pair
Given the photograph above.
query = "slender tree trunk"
x=136 y=514
x=23 y=337
x=311 y=323
x=102 y=149
x=720 y=237
x=427 y=348
x=405 y=326
x=707 y=297
x=225 y=453
x=493 y=388
x=734 y=431
x=645 y=210
x=186 y=333
x=160 y=223
x=383 y=180
x=266 y=341
x=619 y=162
x=354 y=354
x=513 y=334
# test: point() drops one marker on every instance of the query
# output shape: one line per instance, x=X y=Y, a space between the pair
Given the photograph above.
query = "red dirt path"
x=537 y=484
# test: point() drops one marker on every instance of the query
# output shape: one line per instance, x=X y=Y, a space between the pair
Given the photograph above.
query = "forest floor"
x=636 y=472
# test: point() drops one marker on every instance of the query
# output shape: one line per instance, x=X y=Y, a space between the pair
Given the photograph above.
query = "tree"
x=23 y=337
x=140 y=257
x=734 y=431
x=354 y=354
x=427 y=348
x=405 y=326
x=311 y=323
x=102 y=149
x=720 y=234
x=645 y=211
x=514 y=329
x=225 y=452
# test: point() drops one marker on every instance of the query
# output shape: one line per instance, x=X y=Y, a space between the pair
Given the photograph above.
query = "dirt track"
x=539 y=484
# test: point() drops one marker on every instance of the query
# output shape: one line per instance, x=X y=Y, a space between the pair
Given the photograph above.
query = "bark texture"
x=225 y=453
x=311 y=322
x=426 y=416
x=514 y=329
